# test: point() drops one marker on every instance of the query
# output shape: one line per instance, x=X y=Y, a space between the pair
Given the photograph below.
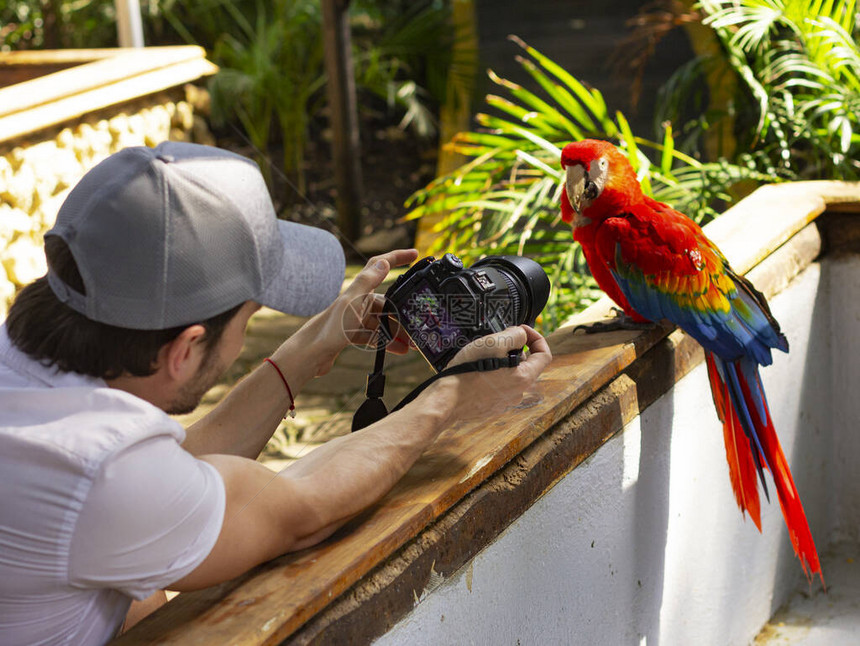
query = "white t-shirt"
x=99 y=504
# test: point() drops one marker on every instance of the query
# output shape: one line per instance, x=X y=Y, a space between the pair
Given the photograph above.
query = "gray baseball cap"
x=174 y=235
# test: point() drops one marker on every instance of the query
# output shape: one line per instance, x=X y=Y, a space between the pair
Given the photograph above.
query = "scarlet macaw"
x=656 y=263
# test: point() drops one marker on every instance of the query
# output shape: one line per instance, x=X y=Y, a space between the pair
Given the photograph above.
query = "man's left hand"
x=353 y=318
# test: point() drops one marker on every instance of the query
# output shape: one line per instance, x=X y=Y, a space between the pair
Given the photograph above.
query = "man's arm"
x=268 y=515
x=245 y=419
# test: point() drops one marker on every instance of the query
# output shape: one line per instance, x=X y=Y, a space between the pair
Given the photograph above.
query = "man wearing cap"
x=157 y=260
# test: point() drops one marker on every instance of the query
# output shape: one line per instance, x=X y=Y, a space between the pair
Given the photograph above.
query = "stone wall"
x=38 y=171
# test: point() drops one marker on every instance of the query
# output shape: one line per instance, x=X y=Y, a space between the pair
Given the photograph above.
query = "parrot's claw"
x=621 y=322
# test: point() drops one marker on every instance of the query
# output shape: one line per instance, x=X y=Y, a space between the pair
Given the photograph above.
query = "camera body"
x=443 y=305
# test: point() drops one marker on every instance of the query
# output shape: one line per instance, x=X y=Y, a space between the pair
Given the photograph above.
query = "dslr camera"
x=443 y=305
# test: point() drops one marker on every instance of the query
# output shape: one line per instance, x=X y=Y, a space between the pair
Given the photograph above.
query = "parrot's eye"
x=590 y=190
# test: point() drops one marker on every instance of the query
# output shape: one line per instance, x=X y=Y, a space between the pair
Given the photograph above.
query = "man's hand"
x=476 y=395
x=354 y=315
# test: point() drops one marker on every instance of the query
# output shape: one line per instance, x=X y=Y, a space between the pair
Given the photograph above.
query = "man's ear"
x=182 y=356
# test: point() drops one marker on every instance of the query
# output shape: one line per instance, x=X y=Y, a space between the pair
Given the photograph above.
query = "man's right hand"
x=476 y=395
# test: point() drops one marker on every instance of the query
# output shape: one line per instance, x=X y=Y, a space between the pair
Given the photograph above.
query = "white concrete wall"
x=644 y=543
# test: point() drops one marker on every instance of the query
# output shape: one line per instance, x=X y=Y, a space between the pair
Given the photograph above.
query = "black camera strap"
x=373 y=408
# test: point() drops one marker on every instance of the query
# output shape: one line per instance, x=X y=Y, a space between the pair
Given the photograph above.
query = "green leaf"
x=666 y=158
x=590 y=99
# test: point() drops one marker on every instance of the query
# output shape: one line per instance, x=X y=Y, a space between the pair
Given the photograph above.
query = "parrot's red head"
x=598 y=178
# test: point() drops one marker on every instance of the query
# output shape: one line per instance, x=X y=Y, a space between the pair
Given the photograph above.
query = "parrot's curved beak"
x=574 y=184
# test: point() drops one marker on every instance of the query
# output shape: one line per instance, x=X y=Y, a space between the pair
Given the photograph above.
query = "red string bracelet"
x=292 y=411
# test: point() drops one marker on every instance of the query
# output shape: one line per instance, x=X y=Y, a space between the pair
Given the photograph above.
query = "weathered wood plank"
x=125 y=89
x=52 y=56
x=21 y=74
x=100 y=73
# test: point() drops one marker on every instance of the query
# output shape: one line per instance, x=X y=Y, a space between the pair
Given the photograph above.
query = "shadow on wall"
x=815 y=439
x=650 y=503
x=841 y=343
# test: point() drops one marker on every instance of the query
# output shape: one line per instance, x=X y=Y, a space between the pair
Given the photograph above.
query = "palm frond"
x=800 y=64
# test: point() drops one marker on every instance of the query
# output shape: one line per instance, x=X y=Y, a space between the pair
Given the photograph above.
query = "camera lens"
x=527 y=282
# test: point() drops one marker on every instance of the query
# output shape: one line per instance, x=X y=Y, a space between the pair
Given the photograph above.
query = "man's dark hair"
x=55 y=334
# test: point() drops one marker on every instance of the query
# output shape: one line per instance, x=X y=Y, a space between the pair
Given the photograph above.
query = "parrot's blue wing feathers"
x=716 y=308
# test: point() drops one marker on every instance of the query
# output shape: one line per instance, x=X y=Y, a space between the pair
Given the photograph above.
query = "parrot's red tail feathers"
x=742 y=470
x=739 y=397
x=789 y=500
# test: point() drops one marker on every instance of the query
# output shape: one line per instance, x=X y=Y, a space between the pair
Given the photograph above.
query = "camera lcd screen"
x=426 y=314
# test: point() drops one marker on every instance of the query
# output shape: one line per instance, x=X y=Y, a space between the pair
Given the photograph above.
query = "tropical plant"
x=203 y=22
x=504 y=200
x=799 y=65
x=271 y=70
x=57 y=24
x=403 y=57
x=781 y=81
x=271 y=76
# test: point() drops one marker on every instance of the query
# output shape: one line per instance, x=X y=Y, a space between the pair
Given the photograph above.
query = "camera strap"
x=373 y=408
